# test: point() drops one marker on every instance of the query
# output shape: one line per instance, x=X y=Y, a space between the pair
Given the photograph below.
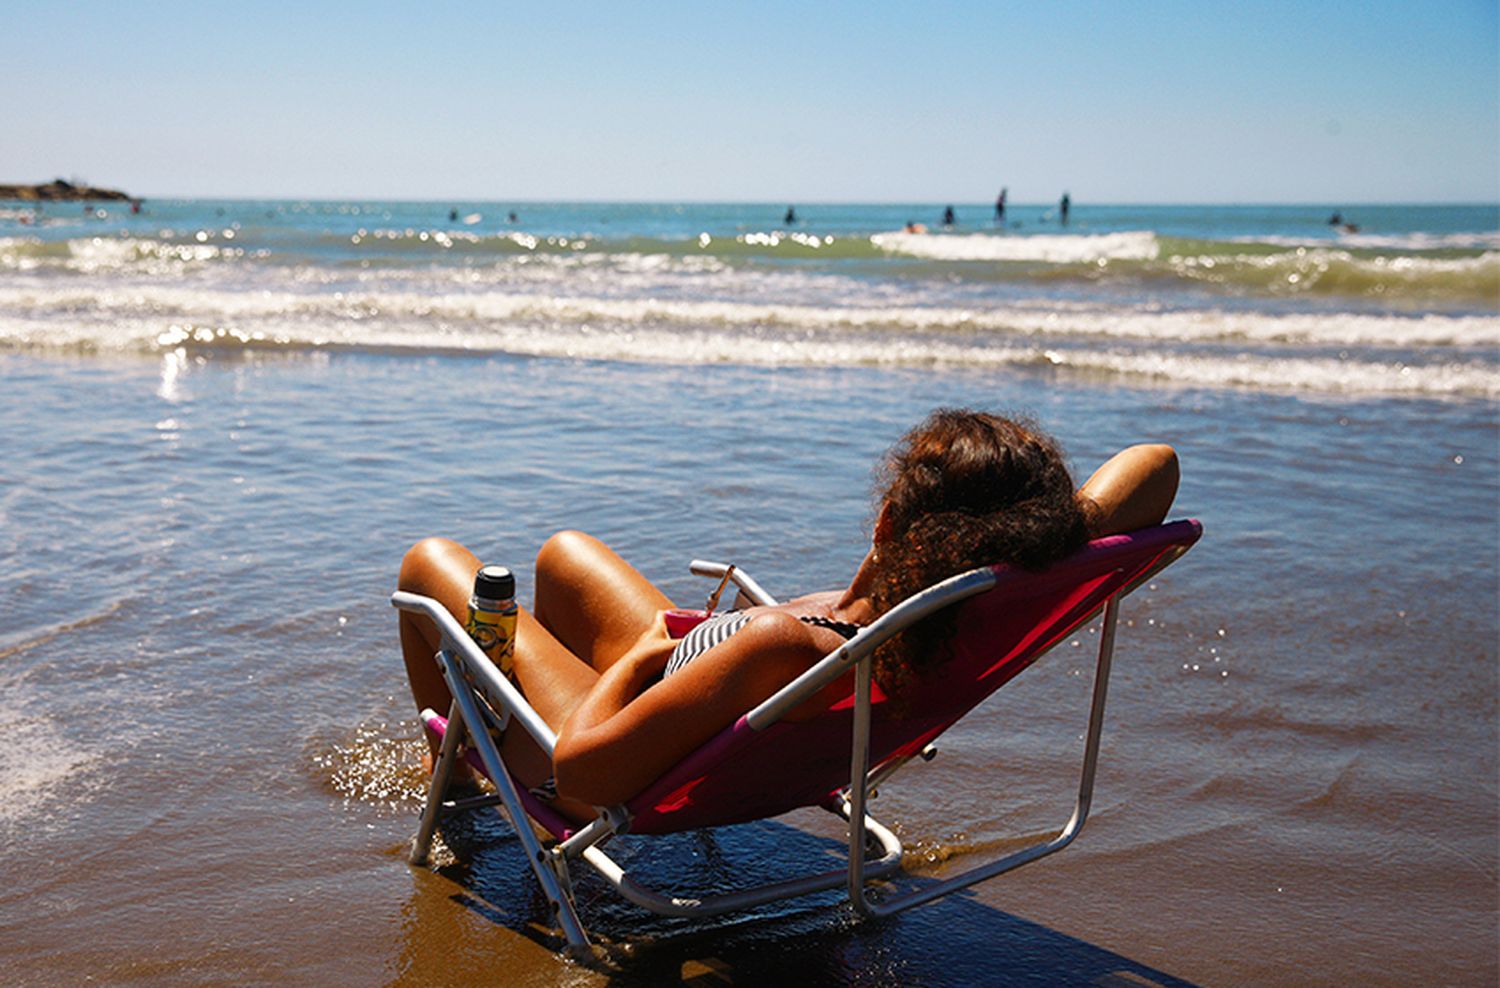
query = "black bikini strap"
x=844 y=628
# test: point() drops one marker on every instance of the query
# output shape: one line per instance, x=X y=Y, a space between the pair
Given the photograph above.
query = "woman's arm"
x=621 y=739
x=1133 y=489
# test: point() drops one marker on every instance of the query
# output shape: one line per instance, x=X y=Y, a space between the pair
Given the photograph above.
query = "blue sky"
x=1254 y=101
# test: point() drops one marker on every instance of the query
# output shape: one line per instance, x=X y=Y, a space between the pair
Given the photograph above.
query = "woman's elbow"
x=1161 y=456
x=1164 y=474
x=1134 y=489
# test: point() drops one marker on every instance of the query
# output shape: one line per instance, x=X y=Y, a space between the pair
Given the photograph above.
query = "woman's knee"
x=568 y=556
x=571 y=567
x=430 y=561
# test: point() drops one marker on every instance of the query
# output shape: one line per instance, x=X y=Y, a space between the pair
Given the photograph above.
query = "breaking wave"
x=344 y=312
x=1430 y=354
x=1372 y=269
x=1138 y=245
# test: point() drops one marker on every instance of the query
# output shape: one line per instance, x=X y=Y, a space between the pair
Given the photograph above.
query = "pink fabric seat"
x=743 y=774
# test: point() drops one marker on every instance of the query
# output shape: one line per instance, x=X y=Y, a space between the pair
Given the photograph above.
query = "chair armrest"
x=741 y=579
x=496 y=688
x=846 y=656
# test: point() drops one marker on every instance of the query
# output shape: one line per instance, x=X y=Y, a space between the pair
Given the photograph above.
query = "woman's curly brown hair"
x=965 y=489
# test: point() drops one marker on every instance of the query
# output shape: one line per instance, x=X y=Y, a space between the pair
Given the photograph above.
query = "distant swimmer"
x=452 y=216
x=1063 y=207
x=1337 y=220
x=790 y=217
x=948 y=216
x=1000 y=207
x=915 y=227
x=135 y=207
x=511 y=216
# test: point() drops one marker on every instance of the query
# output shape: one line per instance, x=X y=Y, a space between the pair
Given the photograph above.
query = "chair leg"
x=1025 y=855
x=859 y=776
x=421 y=845
x=539 y=857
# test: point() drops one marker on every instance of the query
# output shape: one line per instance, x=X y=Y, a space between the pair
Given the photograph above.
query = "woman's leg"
x=594 y=602
x=552 y=679
x=443 y=570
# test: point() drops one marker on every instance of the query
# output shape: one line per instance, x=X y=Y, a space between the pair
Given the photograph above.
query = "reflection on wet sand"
x=483 y=906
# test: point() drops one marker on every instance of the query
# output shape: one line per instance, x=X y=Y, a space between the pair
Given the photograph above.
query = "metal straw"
x=713 y=598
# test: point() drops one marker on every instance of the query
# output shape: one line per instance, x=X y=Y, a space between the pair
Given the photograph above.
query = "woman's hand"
x=649 y=655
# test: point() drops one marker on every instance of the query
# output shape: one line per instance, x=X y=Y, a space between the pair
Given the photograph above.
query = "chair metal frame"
x=471 y=675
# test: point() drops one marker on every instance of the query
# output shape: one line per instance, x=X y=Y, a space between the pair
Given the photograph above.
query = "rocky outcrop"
x=59 y=190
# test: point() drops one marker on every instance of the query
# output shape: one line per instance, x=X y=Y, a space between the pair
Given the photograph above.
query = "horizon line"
x=779 y=203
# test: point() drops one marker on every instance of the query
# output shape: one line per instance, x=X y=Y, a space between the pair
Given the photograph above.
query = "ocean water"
x=1264 y=297
x=225 y=421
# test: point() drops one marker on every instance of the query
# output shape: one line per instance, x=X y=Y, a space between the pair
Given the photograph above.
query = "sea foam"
x=37 y=761
x=1134 y=245
x=702 y=333
x=84 y=313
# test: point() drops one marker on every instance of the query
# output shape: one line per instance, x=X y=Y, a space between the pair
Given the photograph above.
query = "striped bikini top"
x=720 y=627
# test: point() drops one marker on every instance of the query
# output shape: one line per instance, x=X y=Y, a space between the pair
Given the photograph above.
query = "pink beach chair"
x=762 y=765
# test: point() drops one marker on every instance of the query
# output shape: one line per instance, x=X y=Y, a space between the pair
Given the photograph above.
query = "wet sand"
x=210 y=770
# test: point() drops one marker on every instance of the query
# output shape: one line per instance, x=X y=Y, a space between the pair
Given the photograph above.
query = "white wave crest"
x=1324 y=256
x=706 y=343
x=107 y=255
x=1132 y=245
x=49 y=310
x=1479 y=240
x=1290 y=374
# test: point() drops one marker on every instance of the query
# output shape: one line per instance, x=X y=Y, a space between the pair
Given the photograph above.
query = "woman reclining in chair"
x=963 y=489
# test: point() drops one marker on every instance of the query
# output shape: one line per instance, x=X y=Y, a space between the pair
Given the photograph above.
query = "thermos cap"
x=494 y=583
